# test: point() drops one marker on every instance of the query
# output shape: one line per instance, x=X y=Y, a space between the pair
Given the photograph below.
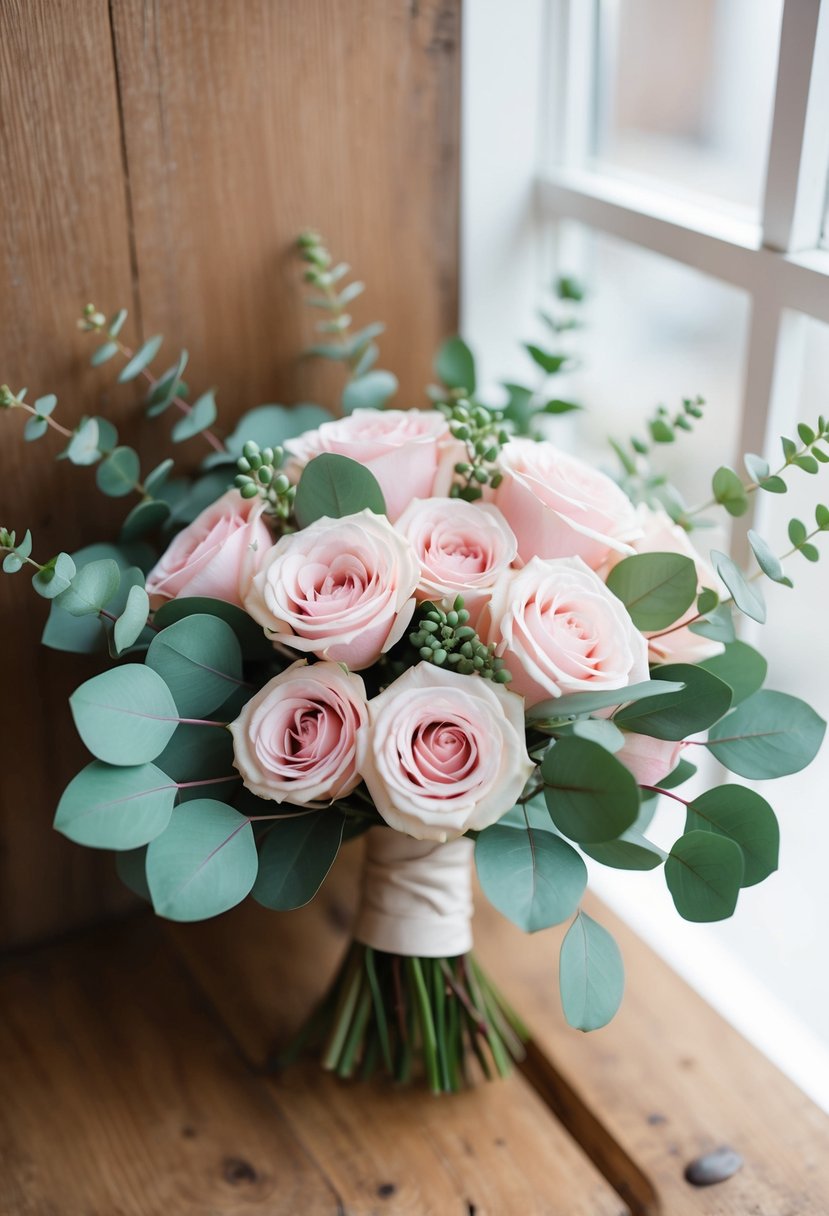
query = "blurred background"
x=662 y=154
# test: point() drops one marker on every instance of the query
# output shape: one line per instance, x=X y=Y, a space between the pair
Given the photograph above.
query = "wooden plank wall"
x=162 y=157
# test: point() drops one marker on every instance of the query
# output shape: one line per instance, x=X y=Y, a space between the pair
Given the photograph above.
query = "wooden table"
x=133 y=1071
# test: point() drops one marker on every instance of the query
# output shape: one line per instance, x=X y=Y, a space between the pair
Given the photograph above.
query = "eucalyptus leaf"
x=126 y=715
x=251 y=636
x=141 y=359
x=87 y=634
x=632 y=851
x=587 y=702
x=130 y=865
x=271 y=425
x=747 y=597
x=771 y=734
x=203 y=864
x=683 y=772
x=144 y=518
x=741 y=667
x=590 y=795
x=55 y=577
x=371 y=391
x=295 y=858
x=656 y=588
x=704 y=873
x=35 y=428
x=601 y=731
x=548 y=362
x=455 y=365
x=591 y=974
x=104 y=353
x=130 y=624
x=166 y=387
x=534 y=878
x=44 y=406
x=83 y=448
x=119 y=473
x=202 y=414
x=108 y=807
x=767 y=560
x=703 y=701
x=200 y=660
x=746 y=818
x=155 y=479
x=729 y=492
x=718 y=625
x=92 y=588
x=335 y=486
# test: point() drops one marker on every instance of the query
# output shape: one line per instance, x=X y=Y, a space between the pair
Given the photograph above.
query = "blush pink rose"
x=462 y=548
x=342 y=589
x=295 y=741
x=411 y=452
x=216 y=555
x=558 y=506
x=678 y=645
x=560 y=630
x=442 y=753
x=650 y=760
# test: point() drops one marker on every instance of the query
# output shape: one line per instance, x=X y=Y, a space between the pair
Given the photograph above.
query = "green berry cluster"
x=483 y=432
x=447 y=639
x=259 y=476
x=314 y=253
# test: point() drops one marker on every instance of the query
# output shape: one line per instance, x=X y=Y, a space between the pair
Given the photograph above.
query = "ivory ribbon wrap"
x=416 y=896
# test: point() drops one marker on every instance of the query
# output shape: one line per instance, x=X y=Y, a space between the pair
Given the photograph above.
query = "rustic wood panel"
x=63 y=239
x=163 y=157
x=248 y=120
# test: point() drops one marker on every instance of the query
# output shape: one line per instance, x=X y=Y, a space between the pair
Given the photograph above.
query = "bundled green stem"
x=390 y=1014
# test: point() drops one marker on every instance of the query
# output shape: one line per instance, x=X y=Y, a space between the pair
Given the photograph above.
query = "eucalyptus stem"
x=13 y=401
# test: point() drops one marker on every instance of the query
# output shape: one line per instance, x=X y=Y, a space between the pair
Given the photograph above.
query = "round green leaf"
x=83 y=448
x=295 y=858
x=718 y=624
x=656 y=588
x=117 y=475
x=140 y=359
x=131 y=622
x=771 y=734
x=630 y=852
x=251 y=636
x=590 y=795
x=92 y=588
x=144 y=518
x=455 y=365
x=702 y=701
x=35 y=428
x=126 y=715
x=729 y=492
x=203 y=864
x=199 y=753
x=116 y=808
x=202 y=415
x=87 y=634
x=200 y=660
x=335 y=486
x=744 y=817
x=741 y=667
x=271 y=425
x=704 y=872
x=369 y=392
x=55 y=578
x=534 y=878
x=591 y=974
x=158 y=476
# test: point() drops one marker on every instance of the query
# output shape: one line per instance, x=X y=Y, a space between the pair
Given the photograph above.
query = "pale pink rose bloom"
x=650 y=760
x=216 y=555
x=342 y=589
x=411 y=452
x=558 y=506
x=443 y=753
x=295 y=741
x=662 y=535
x=560 y=630
x=462 y=547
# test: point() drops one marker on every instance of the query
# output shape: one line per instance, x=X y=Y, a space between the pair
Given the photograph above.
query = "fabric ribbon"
x=416 y=896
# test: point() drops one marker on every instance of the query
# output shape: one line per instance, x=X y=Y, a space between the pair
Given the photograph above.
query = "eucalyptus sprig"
x=448 y=640
x=259 y=476
x=164 y=390
x=368 y=387
x=483 y=432
x=640 y=481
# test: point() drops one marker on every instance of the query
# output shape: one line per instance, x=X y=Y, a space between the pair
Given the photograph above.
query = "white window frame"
x=528 y=98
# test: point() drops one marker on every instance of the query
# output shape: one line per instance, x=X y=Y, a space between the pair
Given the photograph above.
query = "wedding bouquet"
x=431 y=627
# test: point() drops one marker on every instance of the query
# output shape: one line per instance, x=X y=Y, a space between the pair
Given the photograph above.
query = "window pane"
x=685 y=94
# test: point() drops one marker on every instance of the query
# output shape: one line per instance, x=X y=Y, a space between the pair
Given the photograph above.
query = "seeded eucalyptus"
x=483 y=433
x=259 y=476
x=448 y=640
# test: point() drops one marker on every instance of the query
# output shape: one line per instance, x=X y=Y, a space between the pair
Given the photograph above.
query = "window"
x=676 y=157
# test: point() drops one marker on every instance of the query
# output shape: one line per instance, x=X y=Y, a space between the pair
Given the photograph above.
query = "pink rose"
x=295 y=741
x=650 y=760
x=443 y=753
x=558 y=506
x=216 y=555
x=341 y=589
x=677 y=645
x=560 y=630
x=462 y=547
x=410 y=452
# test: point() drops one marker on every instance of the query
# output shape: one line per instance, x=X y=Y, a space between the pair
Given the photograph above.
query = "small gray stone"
x=713 y=1167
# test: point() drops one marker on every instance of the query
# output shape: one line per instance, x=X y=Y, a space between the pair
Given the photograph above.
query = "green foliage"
x=590 y=795
x=717 y=624
x=743 y=816
x=703 y=701
x=639 y=480
x=92 y=587
x=771 y=734
x=163 y=392
x=741 y=667
x=704 y=872
x=683 y=772
x=656 y=588
x=747 y=597
x=200 y=417
x=17 y=553
x=482 y=431
x=142 y=358
x=295 y=857
x=448 y=640
x=455 y=366
x=532 y=877
x=87 y=634
x=259 y=476
x=562 y=709
x=335 y=486
x=119 y=473
x=591 y=974
x=270 y=426
x=144 y=519
x=83 y=448
x=130 y=624
x=251 y=637
x=107 y=807
x=126 y=715
x=729 y=492
x=601 y=731
x=370 y=391
x=630 y=852
x=766 y=560
x=200 y=661
x=203 y=864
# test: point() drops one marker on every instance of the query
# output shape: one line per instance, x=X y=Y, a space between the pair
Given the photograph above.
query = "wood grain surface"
x=162 y=157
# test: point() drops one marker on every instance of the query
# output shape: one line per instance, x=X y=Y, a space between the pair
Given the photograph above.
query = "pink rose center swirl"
x=295 y=736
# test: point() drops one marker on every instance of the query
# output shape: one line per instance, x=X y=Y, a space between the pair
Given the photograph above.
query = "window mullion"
x=799 y=149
